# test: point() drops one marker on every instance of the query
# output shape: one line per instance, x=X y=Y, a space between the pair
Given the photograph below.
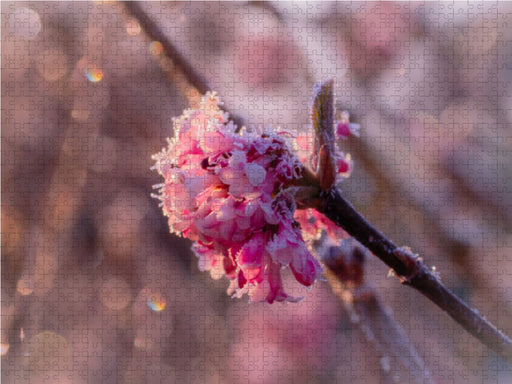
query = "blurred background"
x=93 y=287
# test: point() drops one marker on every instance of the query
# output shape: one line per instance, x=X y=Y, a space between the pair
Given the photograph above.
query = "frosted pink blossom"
x=227 y=192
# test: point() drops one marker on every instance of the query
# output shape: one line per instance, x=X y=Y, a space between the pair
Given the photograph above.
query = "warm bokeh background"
x=94 y=288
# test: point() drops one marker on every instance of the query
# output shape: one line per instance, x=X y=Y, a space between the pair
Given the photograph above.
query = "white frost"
x=255 y=173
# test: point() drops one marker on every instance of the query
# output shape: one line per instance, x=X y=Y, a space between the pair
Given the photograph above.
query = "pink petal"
x=342 y=130
x=251 y=253
x=305 y=267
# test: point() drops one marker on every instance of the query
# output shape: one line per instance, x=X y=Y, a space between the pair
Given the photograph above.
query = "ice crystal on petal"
x=226 y=191
x=255 y=173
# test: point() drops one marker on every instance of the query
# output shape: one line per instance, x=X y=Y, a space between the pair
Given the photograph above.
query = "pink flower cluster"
x=228 y=193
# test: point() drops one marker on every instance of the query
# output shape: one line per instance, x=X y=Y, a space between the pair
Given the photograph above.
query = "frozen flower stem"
x=318 y=191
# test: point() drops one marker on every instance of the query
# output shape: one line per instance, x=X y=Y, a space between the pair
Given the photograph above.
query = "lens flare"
x=155 y=48
x=93 y=74
x=4 y=348
x=133 y=27
x=156 y=302
x=25 y=286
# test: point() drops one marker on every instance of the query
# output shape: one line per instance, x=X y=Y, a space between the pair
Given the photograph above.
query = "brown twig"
x=411 y=270
x=407 y=266
x=152 y=30
x=172 y=61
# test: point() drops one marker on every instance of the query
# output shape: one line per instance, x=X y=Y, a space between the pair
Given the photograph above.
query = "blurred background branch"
x=398 y=358
x=180 y=73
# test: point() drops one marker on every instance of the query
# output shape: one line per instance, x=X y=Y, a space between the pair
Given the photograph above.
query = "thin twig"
x=180 y=70
x=407 y=266
x=152 y=30
x=411 y=270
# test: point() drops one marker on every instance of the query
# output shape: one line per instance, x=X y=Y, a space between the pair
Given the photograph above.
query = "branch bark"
x=411 y=270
